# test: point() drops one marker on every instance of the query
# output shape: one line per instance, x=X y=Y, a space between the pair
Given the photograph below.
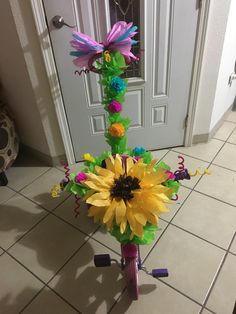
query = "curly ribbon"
x=181 y=162
x=176 y=198
x=67 y=170
x=84 y=71
x=107 y=56
x=76 y=210
x=55 y=191
x=197 y=172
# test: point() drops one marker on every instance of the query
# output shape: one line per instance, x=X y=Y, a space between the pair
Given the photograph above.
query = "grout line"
x=32 y=299
x=203 y=160
x=25 y=267
x=217 y=274
x=197 y=236
x=25 y=186
x=223 y=167
x=61 y=297
x=215 y=198
x=223 y=144
x=116 y=301
x=28 y=231
x=180 y=292
x=168 y=223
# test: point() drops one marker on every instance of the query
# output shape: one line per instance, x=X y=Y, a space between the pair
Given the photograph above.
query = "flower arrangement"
x=125 y=189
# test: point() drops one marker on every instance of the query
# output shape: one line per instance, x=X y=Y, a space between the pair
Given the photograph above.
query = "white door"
x=159 y=84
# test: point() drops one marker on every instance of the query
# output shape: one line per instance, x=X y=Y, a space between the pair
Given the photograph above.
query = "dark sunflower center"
x=124 y=186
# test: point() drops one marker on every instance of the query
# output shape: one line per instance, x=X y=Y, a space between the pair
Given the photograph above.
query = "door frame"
x=50 y=67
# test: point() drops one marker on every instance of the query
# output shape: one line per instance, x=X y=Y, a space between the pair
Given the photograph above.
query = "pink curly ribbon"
x=67 y=169
x=181 y=162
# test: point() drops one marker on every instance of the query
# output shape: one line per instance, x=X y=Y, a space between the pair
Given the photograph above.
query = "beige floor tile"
x=224 y=131
x=233 y=246
x=17 y=286
x=190 y=163
x=145 y=249
x=159 y=154
x=49 y=303
x=89 y=289
x=182 y=194
x=73 y=168
x=227 y=157
x=82 y=221
x=192 y=262
x=5 y=193
x=232 y=116
x=223 y=297
x=105 y=238
x=232 y=138
x=205 y=151
x=17 y=216
x=155 y=297
x=208 y=218
x=206 y=312
x=39 y=190
x=19 y=177
x=221 y=184
x=47 y=247
x=1 y=251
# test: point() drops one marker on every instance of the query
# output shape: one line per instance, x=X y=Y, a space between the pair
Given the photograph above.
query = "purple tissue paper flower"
x=115 y=106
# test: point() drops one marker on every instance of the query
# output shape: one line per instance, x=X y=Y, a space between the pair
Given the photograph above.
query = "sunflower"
x=127 y=192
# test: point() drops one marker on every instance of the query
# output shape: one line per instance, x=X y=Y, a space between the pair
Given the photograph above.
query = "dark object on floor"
x=3 y=179
x=234 y=310
x=9 y=143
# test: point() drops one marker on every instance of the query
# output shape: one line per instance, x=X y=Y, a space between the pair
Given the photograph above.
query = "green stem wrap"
x=111 y=69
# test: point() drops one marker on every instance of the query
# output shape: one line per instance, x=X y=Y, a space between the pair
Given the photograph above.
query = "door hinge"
x=186 y=121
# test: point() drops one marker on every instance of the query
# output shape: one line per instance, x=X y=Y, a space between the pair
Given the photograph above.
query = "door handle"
x=58 y=22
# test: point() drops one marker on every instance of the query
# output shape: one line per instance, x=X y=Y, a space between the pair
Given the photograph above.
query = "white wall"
x=16 y=83
x=215 y=96
x=225 y=94
x=216 y=28
x=25 y=80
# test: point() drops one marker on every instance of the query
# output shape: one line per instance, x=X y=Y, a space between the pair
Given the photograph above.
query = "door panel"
x=158 y=87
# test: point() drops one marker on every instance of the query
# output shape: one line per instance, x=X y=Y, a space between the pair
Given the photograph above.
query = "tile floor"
x=46 y=255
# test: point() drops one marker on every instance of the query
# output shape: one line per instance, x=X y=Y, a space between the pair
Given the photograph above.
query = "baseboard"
x=203 y=138
x=44 y=158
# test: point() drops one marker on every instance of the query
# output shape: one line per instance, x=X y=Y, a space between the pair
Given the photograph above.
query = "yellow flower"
x=116 y=130
x=88 y=157
x=127 y=194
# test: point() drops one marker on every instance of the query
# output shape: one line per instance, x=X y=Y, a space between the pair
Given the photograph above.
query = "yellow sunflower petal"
x=154 y=178
x=104 y=172
x=141 y=218
x=110 y=211
x=120 y=211
x=96 y=212
x=152 y=218
x=95 y=186
x=129 y=164
x=118 y=169
x=135 y=226
x=123 y=225
x=99 y=199
x=110 y=163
